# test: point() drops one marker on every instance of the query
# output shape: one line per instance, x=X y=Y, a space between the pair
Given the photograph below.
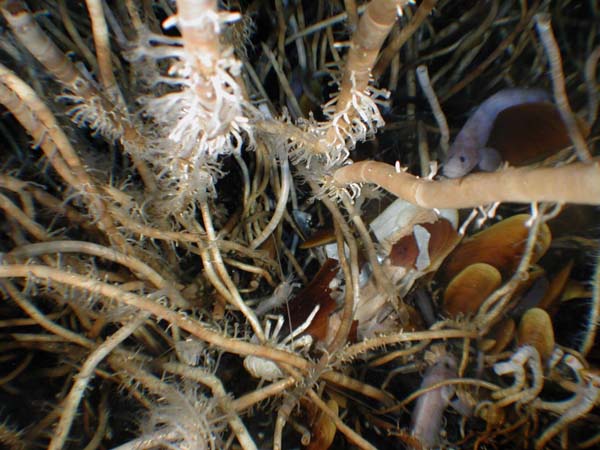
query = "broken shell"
x=397 y=220
x=442 y=238
x=467 y=290
x=500 y=245
x=535 y=329
x=404 y=253
x=317 y=292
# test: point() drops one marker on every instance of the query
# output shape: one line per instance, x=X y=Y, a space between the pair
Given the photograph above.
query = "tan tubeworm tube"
x=574 y=183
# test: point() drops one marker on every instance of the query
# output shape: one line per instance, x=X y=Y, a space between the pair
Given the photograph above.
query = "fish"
x=469 y=150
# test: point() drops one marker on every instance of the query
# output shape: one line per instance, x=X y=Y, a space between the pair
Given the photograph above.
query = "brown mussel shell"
x=466 y=291
x=535 y=329
x=500 y=245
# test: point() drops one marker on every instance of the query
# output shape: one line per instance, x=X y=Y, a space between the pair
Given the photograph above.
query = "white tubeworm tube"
x=429 y=410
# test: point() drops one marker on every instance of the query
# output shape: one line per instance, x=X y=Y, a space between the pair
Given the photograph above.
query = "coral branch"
x=586 y=398
x=33 y=38
x=594 y=315
x=40 y=318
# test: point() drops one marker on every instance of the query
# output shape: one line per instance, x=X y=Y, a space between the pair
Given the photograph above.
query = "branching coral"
x=178 y=246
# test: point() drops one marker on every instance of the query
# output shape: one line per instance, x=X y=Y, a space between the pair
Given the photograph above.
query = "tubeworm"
x=429 y=410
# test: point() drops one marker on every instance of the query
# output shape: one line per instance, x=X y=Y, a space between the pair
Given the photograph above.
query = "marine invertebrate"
x=168 y=183
x=427 y=415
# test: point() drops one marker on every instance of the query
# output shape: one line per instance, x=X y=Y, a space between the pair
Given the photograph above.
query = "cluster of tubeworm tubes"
x=299 y=224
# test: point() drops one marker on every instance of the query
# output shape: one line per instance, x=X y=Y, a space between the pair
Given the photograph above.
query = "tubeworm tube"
x=428 y=413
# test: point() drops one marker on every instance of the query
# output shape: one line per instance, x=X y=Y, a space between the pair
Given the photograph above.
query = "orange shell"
x=500 y=245
x=535 y=329
x=467 y=290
